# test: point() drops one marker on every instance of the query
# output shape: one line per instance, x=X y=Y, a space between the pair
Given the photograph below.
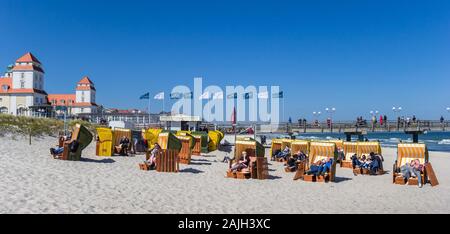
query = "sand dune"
x=33 y=182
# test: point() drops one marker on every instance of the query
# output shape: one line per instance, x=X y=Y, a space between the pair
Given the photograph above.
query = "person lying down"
x=242 y=163
x=321 y=167
x=292 y=162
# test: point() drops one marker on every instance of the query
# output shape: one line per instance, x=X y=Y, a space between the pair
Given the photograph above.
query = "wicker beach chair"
x=365 y=148
x=214 y=140
x=168 y=160
x=259 y=168
x=276 y=146
x=406 y=152
x=203 y=142
x=284 y=143
x=118 y=133
x=296 y=146
x=83 y=136
x=104 y=145
x=187 y=144
x=350 y=149
x=319 y=151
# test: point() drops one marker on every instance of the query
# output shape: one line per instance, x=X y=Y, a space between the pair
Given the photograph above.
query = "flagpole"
x=149 y=114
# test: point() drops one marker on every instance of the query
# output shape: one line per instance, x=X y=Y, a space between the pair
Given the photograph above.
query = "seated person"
x=320 y=167
x=341 y=155
x=292 y=161
x=413 y=169
x=151 y=161
x=364 y=162
x=355 y=161
x=376 y=163
x=242 y=163
x=284 y=154
x=124 y=144
x=73 y=147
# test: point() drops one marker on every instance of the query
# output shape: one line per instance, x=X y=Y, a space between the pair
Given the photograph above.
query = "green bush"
x=36 y=127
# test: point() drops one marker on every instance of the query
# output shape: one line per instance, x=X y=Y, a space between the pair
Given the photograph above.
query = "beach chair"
x=284 y=143
x=319 y=151
x=203 y=142
x=214 y=140
x=300 y=145
x=258 y=162
x=365 y=148
x=339 y=143
x=350 y=149
x=151 y=136
x=168 y=160
x=104 y=145
x=118 y=133
x=187 y=144
x=276 y=147
x=406 y=152
x=84 y=138
x=296 y=146
x=139 y=144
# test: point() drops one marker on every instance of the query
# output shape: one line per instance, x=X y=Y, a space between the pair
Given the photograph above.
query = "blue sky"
x=355 y=56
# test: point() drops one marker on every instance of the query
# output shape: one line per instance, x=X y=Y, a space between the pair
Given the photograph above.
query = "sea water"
x=436 y=141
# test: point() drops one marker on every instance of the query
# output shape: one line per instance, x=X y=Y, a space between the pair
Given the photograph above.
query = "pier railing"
x=337 y=127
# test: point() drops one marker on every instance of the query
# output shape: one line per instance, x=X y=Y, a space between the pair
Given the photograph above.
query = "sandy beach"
x=33 y=182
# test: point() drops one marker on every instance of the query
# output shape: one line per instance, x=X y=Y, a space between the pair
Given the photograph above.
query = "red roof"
x=27 y=58
x=5 y=81
x=61 y=99
x=84 y=104
x=27 y=91
x=86 y=80
x=27 y=68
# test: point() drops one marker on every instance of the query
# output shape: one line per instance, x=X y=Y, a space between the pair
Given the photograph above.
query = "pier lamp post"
x=448 y=111
x=331 y=111
x=397 y=111
x=317 y=115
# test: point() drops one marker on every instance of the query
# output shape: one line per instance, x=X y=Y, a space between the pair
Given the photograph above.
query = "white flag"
x=263 y=95
x=218 y=96
x=159 y=96
x=205 y=95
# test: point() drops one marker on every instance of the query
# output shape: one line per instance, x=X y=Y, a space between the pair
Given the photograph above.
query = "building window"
x=22 y=84
x=82 y=97
x=5 y=88
x=22 y=75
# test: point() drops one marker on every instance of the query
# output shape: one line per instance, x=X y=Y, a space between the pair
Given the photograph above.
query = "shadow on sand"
x=191 y=170
x=341 y=179
x=106 y=160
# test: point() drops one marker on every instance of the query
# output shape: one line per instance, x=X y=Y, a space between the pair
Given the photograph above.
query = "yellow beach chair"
x=118 y=133
x=319 y=151
x=300 y=145
x=214 y=140
x=350 y=149
x=276 y=146
x=259 y=167
x=406 y=152
x=104 y=145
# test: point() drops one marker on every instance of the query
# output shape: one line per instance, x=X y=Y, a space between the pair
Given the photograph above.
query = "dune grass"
x=36 y=127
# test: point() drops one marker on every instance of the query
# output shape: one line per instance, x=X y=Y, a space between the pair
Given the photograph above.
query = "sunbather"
x=124 y=144
x=413 y=169
x=320 y=167
x=55 y=152
x=283 y=154
x=292 y=161
x=242 y=163
x=151 y=162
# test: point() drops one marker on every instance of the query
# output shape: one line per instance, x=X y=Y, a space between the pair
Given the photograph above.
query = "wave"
x=444 y=142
